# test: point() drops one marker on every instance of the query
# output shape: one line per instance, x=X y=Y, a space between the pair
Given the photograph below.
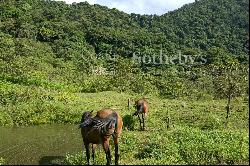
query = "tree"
x=230 y=80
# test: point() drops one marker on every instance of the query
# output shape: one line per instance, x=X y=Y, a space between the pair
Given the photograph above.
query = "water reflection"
x=46 y=144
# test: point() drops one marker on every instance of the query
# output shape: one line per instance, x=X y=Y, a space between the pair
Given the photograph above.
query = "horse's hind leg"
x=93 y=152
x=87 y=152
x=116 y=149
x=140 y=121
x=143 y=121
x=107 y=150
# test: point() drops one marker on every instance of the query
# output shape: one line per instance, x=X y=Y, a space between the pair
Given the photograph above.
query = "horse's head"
x=86 y=116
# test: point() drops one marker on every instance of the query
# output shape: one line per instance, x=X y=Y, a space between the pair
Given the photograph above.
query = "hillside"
x=47 y=43
x=208 y=23
x=71 y=48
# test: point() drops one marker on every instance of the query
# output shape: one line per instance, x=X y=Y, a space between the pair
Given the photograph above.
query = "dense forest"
x=49 y=43
x=82 y=48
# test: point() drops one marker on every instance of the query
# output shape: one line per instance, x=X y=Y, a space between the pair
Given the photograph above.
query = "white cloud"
x=139 y=6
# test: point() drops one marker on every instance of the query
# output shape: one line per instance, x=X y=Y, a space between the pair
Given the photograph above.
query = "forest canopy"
x=90 y=48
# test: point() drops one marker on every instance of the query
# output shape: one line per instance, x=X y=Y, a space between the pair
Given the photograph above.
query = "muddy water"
x=46 y=144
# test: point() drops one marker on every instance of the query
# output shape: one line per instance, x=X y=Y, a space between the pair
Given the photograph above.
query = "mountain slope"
x=52 y=44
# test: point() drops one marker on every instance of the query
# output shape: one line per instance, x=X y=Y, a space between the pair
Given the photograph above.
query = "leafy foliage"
x=49 y=41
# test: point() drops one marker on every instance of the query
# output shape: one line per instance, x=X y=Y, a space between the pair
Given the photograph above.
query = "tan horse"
x=141 y=107
x=98 y=130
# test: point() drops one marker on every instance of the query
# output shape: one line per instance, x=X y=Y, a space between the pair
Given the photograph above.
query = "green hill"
x=56 y=46
x=48 y=43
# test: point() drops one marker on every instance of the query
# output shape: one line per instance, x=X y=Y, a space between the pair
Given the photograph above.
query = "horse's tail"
x=139 y=109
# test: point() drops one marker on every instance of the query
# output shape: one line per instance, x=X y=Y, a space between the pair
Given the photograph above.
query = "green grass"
x=178 y=131
x=32 y=105
x=197 y=133
x=180 y=145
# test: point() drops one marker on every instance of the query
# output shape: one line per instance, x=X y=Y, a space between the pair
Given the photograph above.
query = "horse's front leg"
x=106 y=148
x=87 y=152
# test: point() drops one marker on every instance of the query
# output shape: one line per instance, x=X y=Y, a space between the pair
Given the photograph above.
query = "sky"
x=158 y=7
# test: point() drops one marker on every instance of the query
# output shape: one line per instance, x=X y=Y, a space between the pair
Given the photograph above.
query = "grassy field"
x=177 y=131
x=181 y=145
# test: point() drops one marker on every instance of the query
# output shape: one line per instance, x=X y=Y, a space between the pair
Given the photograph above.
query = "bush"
x=128 y=122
